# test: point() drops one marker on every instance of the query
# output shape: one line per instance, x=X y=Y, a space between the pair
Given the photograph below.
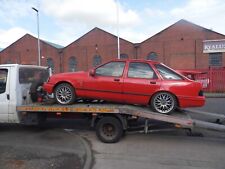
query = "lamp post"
x=117 y=26
x=39 y=49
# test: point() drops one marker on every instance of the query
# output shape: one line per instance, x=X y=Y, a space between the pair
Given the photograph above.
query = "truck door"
x=4 y=94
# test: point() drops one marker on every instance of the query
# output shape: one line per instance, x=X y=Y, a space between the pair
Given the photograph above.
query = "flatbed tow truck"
x=109 y=120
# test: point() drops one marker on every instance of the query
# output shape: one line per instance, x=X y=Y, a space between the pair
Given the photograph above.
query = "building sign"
x=213 y=46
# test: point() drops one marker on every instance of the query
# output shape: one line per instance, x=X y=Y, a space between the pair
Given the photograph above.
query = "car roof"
x=136 y=60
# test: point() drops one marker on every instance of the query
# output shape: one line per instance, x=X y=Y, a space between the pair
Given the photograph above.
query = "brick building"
x=93 y=48
x=24 y=51
x=179 y=46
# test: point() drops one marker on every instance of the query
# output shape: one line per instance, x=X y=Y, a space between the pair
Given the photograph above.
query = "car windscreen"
x=31 y=75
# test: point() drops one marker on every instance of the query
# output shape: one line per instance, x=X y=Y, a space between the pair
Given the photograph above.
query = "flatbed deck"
x=180 y=118
x=107 y=113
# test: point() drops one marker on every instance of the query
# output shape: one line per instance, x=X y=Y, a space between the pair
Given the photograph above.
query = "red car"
x=141 y=82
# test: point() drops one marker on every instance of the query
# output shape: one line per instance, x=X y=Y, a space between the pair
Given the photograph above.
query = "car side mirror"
x=92 y=72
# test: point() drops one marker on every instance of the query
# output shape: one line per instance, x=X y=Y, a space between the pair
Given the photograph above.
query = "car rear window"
x=167 y=73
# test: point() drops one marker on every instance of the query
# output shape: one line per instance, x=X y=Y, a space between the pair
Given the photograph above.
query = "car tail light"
x=201 y=93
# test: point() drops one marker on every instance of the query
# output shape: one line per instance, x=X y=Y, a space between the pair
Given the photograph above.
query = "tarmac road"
x=33 y=148
x=56 y=148
x=214 y=105
x=165 y=150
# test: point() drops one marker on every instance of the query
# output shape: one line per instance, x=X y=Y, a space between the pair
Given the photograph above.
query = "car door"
x=107 y=82
x=4 y=94
x=140 y=83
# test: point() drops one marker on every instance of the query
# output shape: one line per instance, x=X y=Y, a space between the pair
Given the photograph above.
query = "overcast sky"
x=63 y=21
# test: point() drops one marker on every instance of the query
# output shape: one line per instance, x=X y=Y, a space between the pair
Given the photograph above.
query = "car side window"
x=141 y=70
x=111 y=69
x=3 y=80
x=167 y=73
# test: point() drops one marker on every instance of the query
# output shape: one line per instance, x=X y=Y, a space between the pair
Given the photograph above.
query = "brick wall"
x=24 y=51
x=179 y=46
x=95 y=42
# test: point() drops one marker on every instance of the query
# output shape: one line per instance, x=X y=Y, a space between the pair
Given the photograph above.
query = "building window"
x=215 y=59
x=50 y=63
x=97 y=60
x=72 y=64
x=123 y=56
x=152 y=56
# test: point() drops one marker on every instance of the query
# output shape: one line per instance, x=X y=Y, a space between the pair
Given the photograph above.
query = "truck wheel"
x=64 y=94
x=109 y=130
x=163 y=102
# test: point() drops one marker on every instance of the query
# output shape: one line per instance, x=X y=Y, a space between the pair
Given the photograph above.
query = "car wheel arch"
x=177 y=100
x=60 y=82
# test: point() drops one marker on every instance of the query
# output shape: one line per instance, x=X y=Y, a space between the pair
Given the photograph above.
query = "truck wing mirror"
x=92 y=72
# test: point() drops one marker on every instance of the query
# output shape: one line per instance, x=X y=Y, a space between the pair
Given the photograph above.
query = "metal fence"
x=216 y=80
x=213 y=79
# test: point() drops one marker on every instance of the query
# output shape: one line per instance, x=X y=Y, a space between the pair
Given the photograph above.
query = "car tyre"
x=164 y=102
x=109 y=130
x=64 y=94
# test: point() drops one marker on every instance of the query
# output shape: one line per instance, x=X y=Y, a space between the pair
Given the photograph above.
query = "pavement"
x=35 y=148
x=214 y=95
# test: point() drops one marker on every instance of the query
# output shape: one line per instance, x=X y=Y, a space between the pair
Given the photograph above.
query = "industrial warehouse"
x=182 y=46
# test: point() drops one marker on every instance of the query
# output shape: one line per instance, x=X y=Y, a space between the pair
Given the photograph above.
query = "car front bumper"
x=48 y=87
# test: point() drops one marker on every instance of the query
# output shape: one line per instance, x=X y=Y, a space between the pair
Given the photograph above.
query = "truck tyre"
x=163 y=102
x=64 y=94
x=109 y=129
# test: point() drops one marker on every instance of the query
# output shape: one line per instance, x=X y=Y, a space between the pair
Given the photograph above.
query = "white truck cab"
x=15 y=84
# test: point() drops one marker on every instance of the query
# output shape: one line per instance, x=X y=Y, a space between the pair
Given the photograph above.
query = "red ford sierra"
x=141 y=82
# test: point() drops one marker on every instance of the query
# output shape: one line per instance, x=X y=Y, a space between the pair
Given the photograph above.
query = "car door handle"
x=116 y=80
x=152 y=82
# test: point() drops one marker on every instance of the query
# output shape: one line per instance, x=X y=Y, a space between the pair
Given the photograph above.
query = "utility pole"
x=39 y=49
x=117 y=25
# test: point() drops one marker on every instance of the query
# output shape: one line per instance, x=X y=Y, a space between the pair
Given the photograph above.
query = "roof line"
x=175 y=24
x=27 y=34
x=45 y=42
x=14 y=42
x=95 y=28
